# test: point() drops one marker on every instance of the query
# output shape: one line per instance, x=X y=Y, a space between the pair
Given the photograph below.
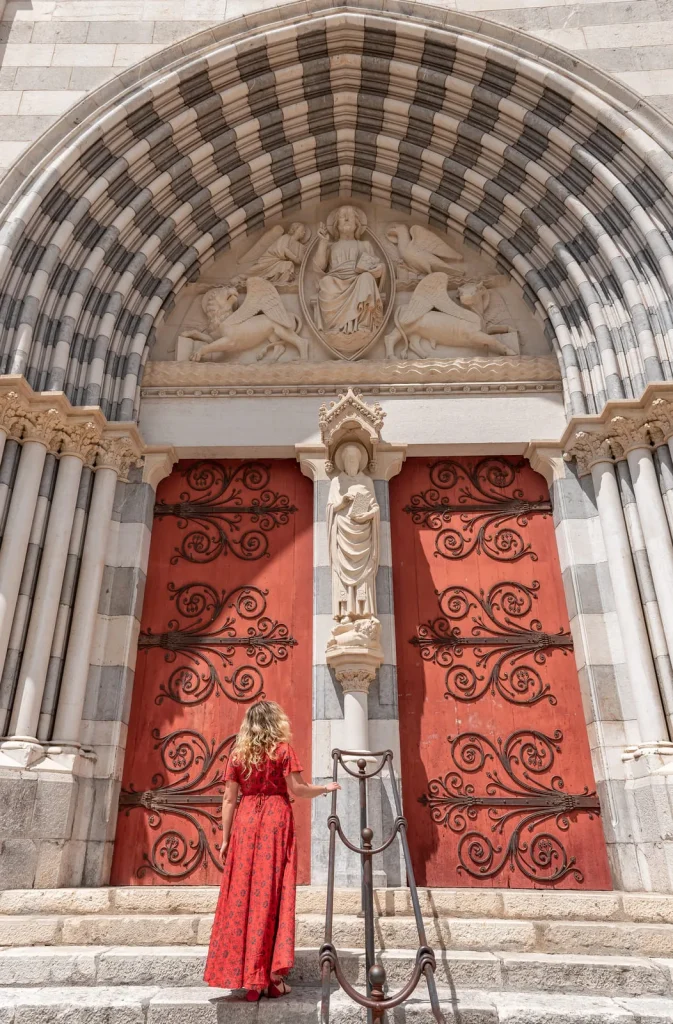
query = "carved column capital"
x=12 y=408
x=118 y=454
x=356 y=679
x=79 y=439
x=588 y=449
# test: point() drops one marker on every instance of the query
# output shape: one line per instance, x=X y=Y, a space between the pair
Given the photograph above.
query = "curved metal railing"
x=375 y=1000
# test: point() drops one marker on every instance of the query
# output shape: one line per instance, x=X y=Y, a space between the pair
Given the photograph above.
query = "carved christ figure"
x=349 y=301
x=353 y=520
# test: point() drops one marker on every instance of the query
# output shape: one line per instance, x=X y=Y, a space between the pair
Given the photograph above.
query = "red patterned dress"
x=253 y=930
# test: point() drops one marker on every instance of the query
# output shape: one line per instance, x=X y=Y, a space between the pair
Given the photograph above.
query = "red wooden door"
x=498 y=783
x=226 y=620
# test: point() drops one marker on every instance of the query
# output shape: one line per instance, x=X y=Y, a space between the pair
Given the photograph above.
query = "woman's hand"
x=223 y=849
x=330 y=787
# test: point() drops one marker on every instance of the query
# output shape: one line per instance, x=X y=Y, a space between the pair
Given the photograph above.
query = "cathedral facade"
x=336 y=348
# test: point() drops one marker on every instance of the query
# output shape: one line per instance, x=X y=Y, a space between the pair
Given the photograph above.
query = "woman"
x=252 y=941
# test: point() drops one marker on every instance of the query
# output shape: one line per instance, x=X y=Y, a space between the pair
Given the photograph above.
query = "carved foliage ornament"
x=630 y=429
x=65 y=435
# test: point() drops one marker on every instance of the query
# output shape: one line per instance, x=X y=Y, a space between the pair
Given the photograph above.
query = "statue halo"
x=362 y=451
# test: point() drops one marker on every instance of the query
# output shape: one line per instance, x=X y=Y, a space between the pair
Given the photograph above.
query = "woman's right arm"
x=229 y=799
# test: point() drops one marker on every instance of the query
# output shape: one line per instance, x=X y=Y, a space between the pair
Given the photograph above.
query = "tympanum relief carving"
x=348 y=281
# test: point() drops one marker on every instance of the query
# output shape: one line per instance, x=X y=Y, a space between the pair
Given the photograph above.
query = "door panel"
x=498 y=783
x=226 y=620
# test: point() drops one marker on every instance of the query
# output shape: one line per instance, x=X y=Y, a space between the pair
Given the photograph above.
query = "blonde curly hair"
x=264 y=726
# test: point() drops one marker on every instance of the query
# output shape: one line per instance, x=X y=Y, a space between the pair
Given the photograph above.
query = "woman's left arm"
x=304 y=790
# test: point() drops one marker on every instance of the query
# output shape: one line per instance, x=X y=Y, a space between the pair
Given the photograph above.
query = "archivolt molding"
x=426 y=113
x=621 y=427
x=50 y=419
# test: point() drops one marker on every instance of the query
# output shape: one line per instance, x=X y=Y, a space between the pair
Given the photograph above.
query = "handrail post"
x=375 y=1000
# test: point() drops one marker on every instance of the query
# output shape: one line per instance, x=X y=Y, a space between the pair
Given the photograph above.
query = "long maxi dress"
x=253 y=930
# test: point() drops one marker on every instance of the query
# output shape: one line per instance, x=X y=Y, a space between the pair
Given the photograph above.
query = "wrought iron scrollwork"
x=194 y=795
x=230 y=512
x=483 y=516
x=500 y=639
x=511 y=796
x=215 y=631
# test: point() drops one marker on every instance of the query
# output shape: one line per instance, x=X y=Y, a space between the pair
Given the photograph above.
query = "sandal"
x=275 y=992
x=253 y=995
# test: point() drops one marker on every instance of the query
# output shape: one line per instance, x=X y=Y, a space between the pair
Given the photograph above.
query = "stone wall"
x=53 y=52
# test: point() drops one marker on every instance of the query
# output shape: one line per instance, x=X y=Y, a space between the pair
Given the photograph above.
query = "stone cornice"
x=49 y=418
x=622 y=426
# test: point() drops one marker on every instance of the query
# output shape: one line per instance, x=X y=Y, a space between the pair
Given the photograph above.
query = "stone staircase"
x=136 y=956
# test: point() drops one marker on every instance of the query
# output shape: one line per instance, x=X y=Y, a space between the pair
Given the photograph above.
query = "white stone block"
x=83 y=55
x=19 y=55
x=56 y=102
x=9 y=103
x=130 y=53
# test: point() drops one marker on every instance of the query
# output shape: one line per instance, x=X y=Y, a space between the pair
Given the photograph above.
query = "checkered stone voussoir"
x=570 y=197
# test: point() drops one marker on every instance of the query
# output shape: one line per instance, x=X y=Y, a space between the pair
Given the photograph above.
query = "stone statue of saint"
x=350 y=308
x=353 y=519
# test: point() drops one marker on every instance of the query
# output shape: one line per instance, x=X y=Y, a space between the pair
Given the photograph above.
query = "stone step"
x=180 y=966
x=520 y=904
x=156 y=1005
x=545 y=936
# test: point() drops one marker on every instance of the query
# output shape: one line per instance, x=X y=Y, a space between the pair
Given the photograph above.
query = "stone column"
x=658 y=543
x=628 y=606
x=17 y=533
x=113 y=460
x=80 y=443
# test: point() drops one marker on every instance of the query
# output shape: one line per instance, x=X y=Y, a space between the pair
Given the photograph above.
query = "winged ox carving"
x=432 y=318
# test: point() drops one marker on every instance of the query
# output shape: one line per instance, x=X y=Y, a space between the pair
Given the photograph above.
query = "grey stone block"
x=17 y=800
x=573 y=498
x=579 y=15
x=382 y=491
x=42 y=79
x=171 y=31
x=108 y=695
x=529 y=20
x=618 y=59
x=384 y=590
x=588 y=590
x=120 y=32
x=54 y=809
x=7 y=77
x=122 y=591
x=382 y=702
x=322 y=590
x=16 y=31
x=327 y=694
x=18 y=858
x=60 y=31
x=97 y=863
x=137 y=504
x=320 y=494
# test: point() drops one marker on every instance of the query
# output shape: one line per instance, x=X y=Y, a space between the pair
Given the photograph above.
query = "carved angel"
x=277 y=254
x=432 y=318
x=422 y=251
x=261 y=317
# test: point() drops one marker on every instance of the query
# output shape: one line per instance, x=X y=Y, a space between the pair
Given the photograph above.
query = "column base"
x=649 y=797
x=47 y=796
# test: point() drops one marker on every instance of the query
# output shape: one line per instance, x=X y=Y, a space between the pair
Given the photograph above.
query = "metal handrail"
x=375 y=1000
